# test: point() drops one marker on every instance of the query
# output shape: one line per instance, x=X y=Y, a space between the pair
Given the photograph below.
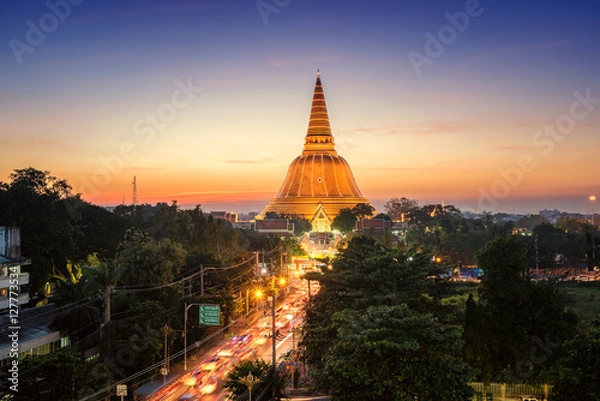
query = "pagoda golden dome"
x=319 y=179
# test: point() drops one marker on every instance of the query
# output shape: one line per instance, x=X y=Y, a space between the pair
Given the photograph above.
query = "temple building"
x=319 y=182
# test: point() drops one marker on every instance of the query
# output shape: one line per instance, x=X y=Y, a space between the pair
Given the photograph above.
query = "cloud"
x=31 y=141
x=418 y=128
x=510 y=147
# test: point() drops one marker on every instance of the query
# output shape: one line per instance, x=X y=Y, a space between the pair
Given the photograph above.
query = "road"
x=205 y=377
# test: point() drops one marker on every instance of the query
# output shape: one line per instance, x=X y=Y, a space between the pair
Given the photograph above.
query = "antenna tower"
x=134 y=191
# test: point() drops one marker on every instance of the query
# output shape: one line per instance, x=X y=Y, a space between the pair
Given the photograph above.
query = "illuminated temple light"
x=319 y=182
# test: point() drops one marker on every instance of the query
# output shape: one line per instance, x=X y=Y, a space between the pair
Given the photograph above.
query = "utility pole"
x=185 y=319
x=247 y=304
x=107 y=304
x=202 y=280
x=273 y=343
x=165 y=330
x=105 y=333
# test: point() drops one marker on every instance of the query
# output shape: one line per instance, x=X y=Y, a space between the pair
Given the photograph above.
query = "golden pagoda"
x=319 y=182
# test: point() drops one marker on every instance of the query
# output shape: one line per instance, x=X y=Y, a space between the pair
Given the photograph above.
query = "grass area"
x=462 y=290
x=456 y=304
x=584 y=297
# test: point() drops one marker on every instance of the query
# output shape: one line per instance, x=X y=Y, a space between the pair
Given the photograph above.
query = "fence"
x=509 y=391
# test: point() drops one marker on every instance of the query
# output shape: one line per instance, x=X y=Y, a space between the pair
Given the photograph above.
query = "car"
x=211 y=364
x=209 y=387
x=262 y=339
x=189 y=397
x=244 y=339
x=225 y=353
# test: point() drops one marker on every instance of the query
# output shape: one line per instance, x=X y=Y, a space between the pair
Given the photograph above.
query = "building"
x=35 y=334
x=321 y=244
x=12 y=279
x=319 y=182
x=275 y=227
x=223 y=215
x=24 y=331
x=373 y=224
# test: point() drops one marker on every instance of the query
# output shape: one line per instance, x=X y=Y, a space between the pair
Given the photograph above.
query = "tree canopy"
x=375 y=312
x=395 y=353
x=576 y=376
x=513 y=314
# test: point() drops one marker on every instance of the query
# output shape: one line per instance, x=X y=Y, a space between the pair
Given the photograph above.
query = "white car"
x=225 y=353
x=262 y=339
x=209 y=387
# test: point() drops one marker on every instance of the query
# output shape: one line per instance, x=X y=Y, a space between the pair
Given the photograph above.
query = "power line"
x=155 y=366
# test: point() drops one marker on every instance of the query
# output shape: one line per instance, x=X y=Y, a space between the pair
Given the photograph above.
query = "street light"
x=258 y=294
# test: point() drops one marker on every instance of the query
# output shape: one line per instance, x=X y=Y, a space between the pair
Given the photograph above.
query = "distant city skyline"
x=483 y=105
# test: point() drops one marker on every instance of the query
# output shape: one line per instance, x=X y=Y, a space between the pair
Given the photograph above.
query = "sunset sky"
x=488 y=106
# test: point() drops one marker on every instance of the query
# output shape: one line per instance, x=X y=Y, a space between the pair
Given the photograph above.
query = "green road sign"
x=210 y=315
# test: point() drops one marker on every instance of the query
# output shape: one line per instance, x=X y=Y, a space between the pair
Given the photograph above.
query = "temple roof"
x=318 y=135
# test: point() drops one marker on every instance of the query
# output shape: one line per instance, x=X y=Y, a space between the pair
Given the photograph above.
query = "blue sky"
x=452 y=130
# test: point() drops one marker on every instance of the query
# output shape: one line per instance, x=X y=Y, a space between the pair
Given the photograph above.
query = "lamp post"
x=165 y=369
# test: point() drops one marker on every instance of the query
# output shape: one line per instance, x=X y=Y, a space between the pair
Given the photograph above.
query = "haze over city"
x=485 y=105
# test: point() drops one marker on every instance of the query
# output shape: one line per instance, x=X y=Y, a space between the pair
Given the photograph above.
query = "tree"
x=301 y=225
x=48 y=215
x=362 y=210
x=345 y=221
x=531 y=221
x=141 y=260
x=576 y=374
x=366 y=274
x=101 y=230
x=235 y=382
x=87 y=282
x=518 y=314
x=399 y=209
x=371 y=360
x=61 y=376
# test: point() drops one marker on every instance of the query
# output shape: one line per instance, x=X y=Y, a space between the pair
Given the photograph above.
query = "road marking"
x=284 y=340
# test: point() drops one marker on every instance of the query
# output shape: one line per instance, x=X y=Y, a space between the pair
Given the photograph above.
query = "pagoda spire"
x=318 y=135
